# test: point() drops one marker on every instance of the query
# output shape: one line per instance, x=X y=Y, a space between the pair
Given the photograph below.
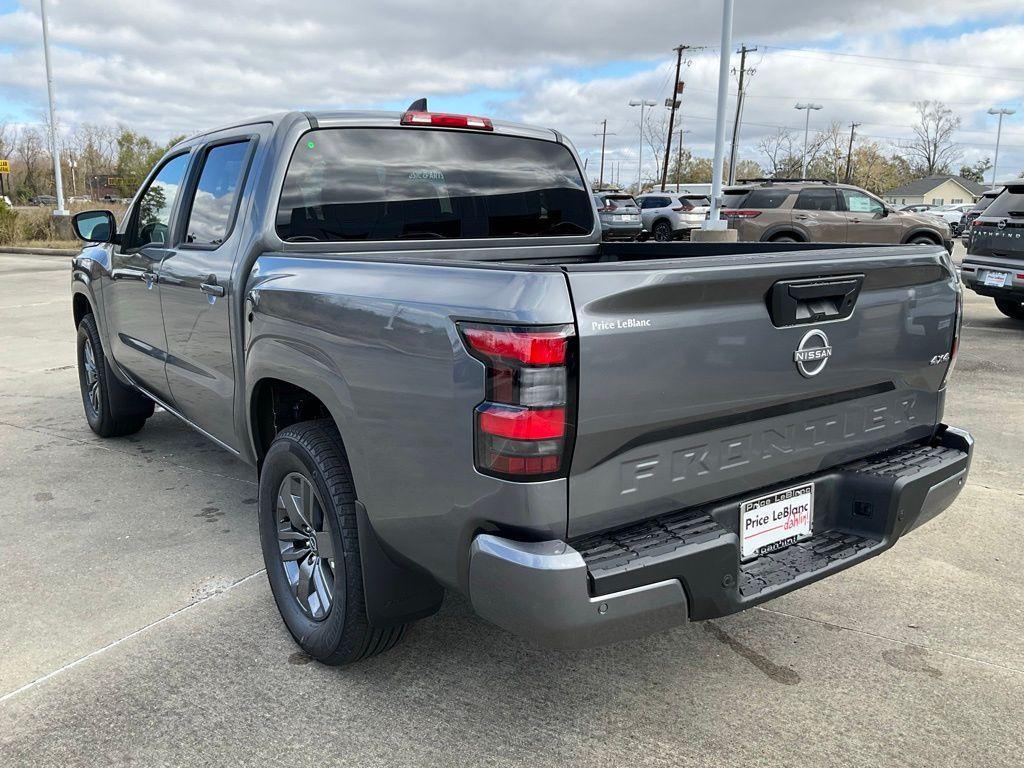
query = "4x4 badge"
x=812 y=354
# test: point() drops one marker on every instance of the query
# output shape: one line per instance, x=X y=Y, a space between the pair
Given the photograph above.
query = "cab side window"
x=151 y=220
x=216 y=194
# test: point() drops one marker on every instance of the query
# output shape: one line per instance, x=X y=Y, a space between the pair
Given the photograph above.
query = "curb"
x=39 y=251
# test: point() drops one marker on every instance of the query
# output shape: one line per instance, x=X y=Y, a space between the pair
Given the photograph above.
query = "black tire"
x=341 y=633
x=784 y=239
x=662 y=232
x=111 y=408
x=922 y=240
x=1013 y=309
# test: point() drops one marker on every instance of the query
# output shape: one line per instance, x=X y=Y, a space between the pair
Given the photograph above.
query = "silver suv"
x=672 y=215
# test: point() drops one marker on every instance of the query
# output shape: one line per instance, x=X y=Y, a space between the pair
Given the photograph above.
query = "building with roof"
x=936 y=190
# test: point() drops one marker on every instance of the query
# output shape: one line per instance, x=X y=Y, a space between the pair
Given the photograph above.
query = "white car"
x=672 y=215
x=951 y=214
x=6 y=201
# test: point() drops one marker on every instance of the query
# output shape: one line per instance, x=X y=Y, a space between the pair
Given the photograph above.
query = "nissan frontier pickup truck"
x=409 y=325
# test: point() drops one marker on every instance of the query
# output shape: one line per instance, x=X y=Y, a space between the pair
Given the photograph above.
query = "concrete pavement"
x=136 y=626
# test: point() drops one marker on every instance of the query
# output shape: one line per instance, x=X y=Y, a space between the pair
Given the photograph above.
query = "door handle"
x=800 y=216
x=211 y=289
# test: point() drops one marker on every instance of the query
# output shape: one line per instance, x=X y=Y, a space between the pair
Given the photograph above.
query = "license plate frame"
x=765 y=524
x=995 y=278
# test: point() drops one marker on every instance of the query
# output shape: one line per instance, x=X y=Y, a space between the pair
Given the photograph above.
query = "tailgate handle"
x=796 y=302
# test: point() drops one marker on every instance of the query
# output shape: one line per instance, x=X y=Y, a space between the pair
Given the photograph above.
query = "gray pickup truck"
x=408 y=324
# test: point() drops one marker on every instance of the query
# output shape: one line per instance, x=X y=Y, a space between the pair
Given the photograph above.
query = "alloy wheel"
x=306 y=544
x=92 y=376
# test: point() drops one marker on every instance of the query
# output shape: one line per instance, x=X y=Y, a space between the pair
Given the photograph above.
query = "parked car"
x=671 y=215
x=619 y=216
x=42 y=200
x=799 y=210
x=919 y=208
x=951 y=214
x=994 y=264
x=409 y=326
x=975 y=211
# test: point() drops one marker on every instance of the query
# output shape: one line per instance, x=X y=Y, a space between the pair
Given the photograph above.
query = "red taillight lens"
x=739 y=213
x=523 y=426
x=445 y=120
x=530 y=347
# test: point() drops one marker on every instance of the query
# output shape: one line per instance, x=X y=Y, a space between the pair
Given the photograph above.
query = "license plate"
x=626 y=217
x=997 y=279
x=777 y=520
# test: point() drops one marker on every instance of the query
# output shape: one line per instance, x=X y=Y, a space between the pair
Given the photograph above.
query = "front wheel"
x=1013 y=309
x=310 y=542
x=923 y=240
x=111 y=408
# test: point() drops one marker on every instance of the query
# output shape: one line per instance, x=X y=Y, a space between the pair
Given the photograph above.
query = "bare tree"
x=777 y=148
x=932 y=150
x=31 y=152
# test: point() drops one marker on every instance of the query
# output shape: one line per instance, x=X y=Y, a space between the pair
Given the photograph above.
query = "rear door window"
x=420 y=184
x=817 y=200
x=1010 y=204
x=213 y=206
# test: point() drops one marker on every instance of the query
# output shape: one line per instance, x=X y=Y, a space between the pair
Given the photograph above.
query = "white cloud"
x=170 y=67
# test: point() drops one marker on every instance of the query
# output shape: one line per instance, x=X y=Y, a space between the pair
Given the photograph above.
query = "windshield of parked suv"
x=983 y=202
x=696 y=200
x=1009 y=203
x=420 y=184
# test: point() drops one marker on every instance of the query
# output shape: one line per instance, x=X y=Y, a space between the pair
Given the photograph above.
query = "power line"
x=997 y=68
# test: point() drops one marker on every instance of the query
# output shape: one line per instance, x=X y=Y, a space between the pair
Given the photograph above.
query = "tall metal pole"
x=849 y=154
x=53 y=117
x=739 y=113
x=999 y=132
x=672 y=115
x=604 y=134
x=640 y=154
x=807 y=125
x=714 y=219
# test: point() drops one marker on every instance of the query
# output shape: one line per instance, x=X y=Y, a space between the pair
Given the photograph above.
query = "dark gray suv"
x=994 y=265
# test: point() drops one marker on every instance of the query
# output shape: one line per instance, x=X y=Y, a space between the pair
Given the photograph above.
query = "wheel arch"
x=934 y=236
x=785 y=230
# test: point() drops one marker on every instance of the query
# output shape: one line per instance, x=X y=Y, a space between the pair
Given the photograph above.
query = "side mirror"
x=95 y=226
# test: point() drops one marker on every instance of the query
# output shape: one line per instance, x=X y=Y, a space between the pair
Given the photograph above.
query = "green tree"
x=976 y=171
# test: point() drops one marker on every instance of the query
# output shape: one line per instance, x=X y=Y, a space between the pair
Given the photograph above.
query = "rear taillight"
x=524 y=425
x=739 y=213
x=958 y=321
x=607 y=208
x=445 y=120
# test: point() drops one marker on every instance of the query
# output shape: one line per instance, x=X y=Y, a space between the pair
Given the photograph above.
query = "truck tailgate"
x=689 y=390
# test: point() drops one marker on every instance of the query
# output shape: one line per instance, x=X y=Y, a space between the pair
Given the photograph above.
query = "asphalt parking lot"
x=136 y=625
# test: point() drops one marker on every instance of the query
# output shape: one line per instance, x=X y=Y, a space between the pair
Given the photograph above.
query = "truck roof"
x=364 y=118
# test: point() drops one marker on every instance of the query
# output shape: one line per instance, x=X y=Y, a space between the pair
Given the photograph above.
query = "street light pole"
x=714 y=220
x=808 y=106
x=999 y=132
x=53 y=117
x=640 y=154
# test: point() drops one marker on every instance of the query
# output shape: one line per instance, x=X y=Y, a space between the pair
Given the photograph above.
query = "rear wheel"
x=311 y=546
x=1014 y=309
x=111 y=408
x=662 y=232
x=784 y=239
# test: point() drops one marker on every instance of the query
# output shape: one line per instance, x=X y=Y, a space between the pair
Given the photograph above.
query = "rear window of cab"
x=372 y=184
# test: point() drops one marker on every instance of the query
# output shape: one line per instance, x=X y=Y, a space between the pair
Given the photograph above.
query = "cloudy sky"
x=176 y=66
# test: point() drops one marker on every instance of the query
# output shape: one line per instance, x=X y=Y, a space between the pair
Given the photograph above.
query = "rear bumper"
x=972 y=273
x=685 y=566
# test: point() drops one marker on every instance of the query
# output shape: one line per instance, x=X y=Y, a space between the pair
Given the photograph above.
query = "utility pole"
x=53 y=117
x=999 y=133
x=739 y=111
x=604 y=135
x=849 y=154
x=676 y=92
